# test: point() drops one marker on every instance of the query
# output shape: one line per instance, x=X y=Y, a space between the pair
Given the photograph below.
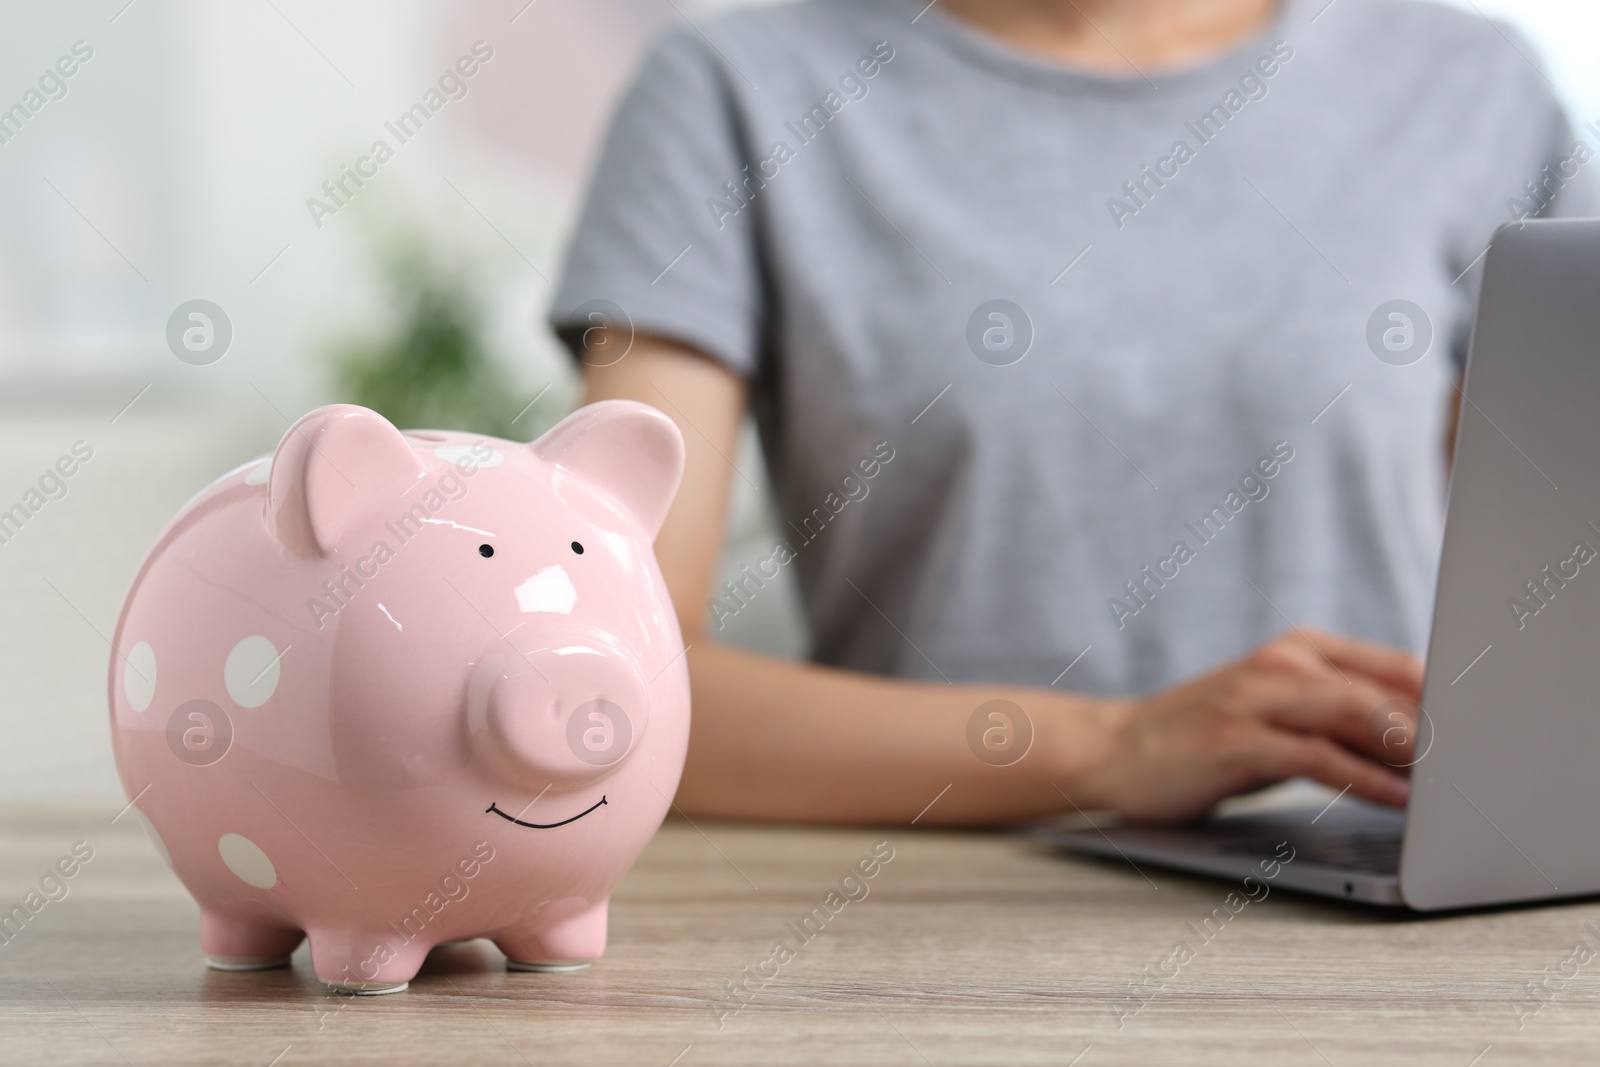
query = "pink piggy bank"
x=387 y=690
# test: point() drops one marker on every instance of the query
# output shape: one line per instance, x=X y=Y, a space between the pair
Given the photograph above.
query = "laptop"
x=1505 y=787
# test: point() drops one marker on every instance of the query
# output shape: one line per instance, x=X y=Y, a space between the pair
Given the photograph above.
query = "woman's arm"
x=772 y=739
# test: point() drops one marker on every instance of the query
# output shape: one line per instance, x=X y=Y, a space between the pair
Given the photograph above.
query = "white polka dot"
x=476 y=455
x=259 y=473
x=245 y=859
x=139 y=676
x=251 y=673
x=155 y=838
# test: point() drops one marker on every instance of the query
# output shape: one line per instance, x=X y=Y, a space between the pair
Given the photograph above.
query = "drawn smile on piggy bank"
x=542 y=825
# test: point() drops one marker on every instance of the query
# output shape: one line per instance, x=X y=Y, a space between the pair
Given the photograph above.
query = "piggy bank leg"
x=366 y=962
x=233 y=944
x=568 y=944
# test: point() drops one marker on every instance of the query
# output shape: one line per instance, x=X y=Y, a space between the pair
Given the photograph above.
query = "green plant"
x=434 y=370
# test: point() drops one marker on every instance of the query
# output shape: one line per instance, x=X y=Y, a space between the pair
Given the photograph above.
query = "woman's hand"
x=1306 y=704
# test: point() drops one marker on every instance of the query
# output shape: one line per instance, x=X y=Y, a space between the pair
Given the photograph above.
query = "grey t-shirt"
x=1050 y=364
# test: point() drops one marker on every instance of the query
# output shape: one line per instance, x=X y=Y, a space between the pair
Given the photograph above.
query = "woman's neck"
x=1136 y=36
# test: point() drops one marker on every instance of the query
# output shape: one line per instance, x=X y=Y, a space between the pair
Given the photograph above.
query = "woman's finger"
x=1284 y=755
x=1392 y=666
x=1354 y=713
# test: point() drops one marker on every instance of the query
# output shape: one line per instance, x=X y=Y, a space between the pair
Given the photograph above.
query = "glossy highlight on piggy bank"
x=386 y=690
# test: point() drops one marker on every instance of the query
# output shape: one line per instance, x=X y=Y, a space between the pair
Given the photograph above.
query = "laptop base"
x=1350 y=850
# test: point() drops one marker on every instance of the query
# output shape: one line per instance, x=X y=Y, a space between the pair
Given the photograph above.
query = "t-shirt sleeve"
x=649 y=246
x=1552 y=173
x=1571 y=159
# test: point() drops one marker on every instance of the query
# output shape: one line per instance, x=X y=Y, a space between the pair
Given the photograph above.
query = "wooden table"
x=967 y=948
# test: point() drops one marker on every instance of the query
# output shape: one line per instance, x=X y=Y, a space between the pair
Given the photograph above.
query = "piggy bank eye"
x=577 y=548
x=485 y=551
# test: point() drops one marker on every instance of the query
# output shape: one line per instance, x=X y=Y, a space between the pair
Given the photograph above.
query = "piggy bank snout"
x=557 y=717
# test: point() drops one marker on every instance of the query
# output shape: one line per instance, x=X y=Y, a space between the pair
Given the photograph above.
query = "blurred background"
x=175 y=165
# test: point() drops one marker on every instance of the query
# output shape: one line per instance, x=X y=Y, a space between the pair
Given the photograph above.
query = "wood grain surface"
x=966 y=948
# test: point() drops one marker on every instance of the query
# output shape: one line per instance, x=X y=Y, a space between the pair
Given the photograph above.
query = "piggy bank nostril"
x=599 y=732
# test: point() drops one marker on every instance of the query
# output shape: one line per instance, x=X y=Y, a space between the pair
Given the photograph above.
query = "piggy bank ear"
x=628 y=452
x=335 y=465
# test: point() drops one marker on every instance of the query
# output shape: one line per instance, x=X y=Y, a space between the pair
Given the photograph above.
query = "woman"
x=1055 y=318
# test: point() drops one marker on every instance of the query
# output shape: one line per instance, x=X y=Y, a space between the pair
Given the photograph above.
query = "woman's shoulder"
x=1431 y=35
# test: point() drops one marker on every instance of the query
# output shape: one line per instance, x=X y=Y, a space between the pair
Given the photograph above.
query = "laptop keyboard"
x=1354 y=850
